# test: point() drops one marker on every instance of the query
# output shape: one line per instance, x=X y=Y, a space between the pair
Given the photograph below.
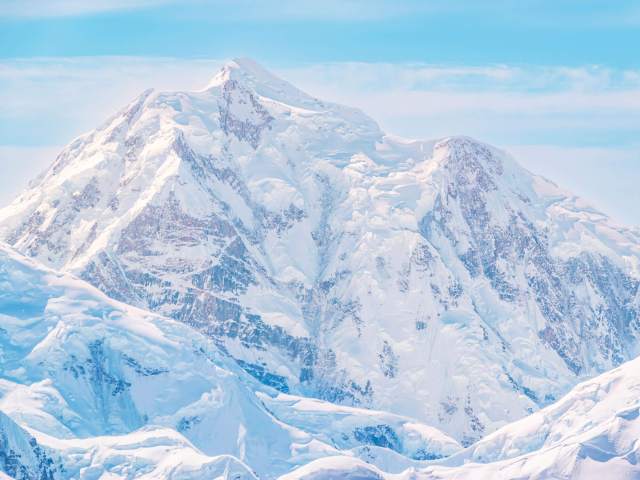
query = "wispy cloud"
x=64 y=8
x=333 y=10
x=587 y=13
x=51 y=100
x=499 y=102
x=355 y=10
x=560 y=116
x=496 y=102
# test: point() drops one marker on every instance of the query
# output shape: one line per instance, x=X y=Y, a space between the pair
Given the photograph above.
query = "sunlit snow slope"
x=437 y=280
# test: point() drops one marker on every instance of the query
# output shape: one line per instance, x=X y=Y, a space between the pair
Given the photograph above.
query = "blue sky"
x=556 y=82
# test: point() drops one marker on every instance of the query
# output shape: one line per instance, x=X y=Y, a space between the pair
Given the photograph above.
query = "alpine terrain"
x=247 y=280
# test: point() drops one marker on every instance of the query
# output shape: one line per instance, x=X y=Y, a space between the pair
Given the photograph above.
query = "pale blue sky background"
x=556 y=82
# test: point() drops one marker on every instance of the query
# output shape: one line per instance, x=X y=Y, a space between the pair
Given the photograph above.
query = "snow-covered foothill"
x=591 y=433
x=90 y=386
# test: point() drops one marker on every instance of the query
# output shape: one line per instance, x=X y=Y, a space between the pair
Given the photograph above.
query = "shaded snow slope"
x=349 y=427
x=591 y=433
x=21 y=456
x=437 y=280
x=146 y=454
x=90 y=386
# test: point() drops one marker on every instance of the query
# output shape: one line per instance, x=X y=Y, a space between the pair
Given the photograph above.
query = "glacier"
x=591 y=433
x=364 y=301
x=94 y=388
x=90 y=387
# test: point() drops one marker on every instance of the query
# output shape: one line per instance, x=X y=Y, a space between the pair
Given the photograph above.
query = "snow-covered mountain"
x=21 y=457
x=93 y=388
x=591 y=433
x=436 y=280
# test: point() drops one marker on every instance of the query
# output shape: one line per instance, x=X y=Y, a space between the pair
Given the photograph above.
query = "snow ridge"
x=436 y=280
x=90 y=386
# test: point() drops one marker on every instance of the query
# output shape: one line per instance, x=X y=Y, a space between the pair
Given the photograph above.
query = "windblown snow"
x=283 y=288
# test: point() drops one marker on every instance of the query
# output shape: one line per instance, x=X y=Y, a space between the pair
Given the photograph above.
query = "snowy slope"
x=332 y=424
x=76 y=364
x=437 y=280
x=591 y=433
x=90 y=386
x=146 y=454
x=21 y=457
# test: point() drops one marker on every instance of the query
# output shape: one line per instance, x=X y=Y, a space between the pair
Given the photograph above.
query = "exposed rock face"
x=21 y=457
x=94 y=388
x=434 y=279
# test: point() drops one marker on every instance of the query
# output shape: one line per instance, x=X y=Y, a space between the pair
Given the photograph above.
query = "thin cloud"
x=64 y=8
x=591 y=14
x=408 y=99
x=336 y=10
x=551 y=117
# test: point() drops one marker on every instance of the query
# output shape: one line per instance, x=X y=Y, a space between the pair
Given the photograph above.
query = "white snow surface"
x=111 y=391
x=435 y=280
x=591 y=433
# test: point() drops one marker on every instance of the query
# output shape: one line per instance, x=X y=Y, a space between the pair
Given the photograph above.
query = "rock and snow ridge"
x=93 y=388
x=591 y=433
x=437 y=280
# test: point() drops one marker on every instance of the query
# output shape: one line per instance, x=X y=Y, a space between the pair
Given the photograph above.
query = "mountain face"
x=436 y=280
x=93 y=388
x=21 y=456
x=590 y=433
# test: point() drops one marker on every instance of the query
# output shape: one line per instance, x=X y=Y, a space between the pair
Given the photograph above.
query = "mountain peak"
x=251 y=75
x=244 y=69
x=462 y=153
